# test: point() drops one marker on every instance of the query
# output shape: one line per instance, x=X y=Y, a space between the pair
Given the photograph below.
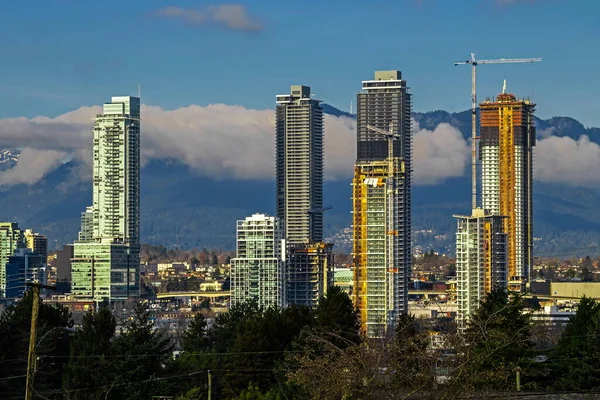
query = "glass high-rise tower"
x=106 y=264
x=11 y=239
x=257 y=271
x=299 y=198
x=481 y=246
x=116 y=171
x=299 y=165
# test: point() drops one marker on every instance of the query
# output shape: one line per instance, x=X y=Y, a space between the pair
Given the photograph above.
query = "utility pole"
x=209 y=385
x=31 y=358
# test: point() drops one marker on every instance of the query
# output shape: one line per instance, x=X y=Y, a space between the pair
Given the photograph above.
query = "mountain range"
x=179 y=208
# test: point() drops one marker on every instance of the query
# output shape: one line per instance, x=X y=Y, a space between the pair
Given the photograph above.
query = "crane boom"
x=509 y=60
x=382 y=131
x=474 y=63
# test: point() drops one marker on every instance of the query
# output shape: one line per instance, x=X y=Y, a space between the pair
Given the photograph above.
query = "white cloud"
x=439 y=154
x=564 y=160
x=231 y=16
x=33 y=165
x=223 y=141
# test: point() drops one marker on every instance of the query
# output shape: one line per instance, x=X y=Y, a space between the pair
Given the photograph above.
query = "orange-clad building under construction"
x=506 y=140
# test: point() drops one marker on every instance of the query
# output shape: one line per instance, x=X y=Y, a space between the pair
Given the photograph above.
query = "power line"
x=13 y=377
x=186 y=353
x=12 y=360
x=186 y=375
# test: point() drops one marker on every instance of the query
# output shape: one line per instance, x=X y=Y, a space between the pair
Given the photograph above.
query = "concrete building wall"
x=63 y=263
x=575 y=289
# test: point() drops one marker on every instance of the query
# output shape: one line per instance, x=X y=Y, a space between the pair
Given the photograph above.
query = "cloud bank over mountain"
x=223 y=141
x=562 y=159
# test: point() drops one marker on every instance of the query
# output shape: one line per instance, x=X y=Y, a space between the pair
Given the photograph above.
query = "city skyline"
x=440 y=152
x=360 y=269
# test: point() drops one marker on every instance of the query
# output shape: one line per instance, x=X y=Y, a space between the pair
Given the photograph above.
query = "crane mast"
x=391 y=212
x=391 y=191
x=474 y=63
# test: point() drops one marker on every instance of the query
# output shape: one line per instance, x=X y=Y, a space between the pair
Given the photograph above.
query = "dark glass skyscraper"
x=299 y=202
x=299 y=165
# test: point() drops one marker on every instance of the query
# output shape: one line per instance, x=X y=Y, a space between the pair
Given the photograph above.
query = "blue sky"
x=60 y=55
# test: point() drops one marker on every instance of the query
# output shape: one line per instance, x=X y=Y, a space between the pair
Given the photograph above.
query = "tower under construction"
x=507 y=137
x=381 y=202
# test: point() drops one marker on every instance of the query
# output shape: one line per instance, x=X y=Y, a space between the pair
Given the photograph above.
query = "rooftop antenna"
x=504 y=87
x=139 y=90
x=350 y=107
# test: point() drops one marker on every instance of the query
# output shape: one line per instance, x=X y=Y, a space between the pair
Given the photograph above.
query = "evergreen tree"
x=141 y=354
x=90 y=365
x=575 y=362
x=52 y=345
x=248 y=345
x=336 y=317
x=498 y=338
x=253 y=393
x=195 y=339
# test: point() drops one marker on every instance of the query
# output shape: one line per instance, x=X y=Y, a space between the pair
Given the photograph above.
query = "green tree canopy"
x=90 y=366
x=335 y=316
x=498 y=340
x=52 y=345
x=574 y=363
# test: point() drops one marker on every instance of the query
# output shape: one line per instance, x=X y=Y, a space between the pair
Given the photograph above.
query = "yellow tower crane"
x=474 y=63
x=391 y=229
x=390 y=135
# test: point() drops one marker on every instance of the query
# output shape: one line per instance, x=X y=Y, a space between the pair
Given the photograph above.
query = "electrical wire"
x=13 y=377
x=186 y=353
